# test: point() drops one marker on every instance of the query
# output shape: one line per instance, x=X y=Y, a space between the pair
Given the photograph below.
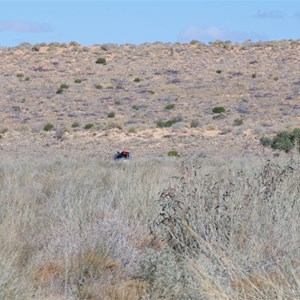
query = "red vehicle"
x=125 y=154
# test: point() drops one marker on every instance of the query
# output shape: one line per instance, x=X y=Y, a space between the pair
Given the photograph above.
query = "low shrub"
x=218 y=71
x=194 y=123
x=112 y=125
x=218 y=109
x=170 y=106
x=284 y=140
x=75 y=125
x=77 y=80
x=62 y=87
x=48 y=127
x=137 y=79
x=101 y=61
x=168 y=123
x=173 y=153
x=98 y=86
x=238 y=122
x=89 y=126
x=111 y=114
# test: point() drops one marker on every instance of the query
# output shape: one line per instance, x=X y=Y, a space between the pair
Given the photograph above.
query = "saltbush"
x=88 y=126
x=218 y=109
x=101 y=61
x=284 y=140
x=173 y=153
x=48 y=127
x=170 y=106
x=111 y=114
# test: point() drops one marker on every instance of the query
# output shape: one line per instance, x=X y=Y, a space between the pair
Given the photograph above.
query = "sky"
x=136 y=22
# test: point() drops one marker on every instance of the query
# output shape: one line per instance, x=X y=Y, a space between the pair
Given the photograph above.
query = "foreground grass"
x=156 y=229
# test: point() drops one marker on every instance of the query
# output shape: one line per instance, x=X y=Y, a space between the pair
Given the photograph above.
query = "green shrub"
x=170 y=106
x=137 y=79
x=284 y=140
x=77 y=80
x=98 y=86
x=194 y=123
x=173 y=153
x=101 y=61
x=238 y=122
x=276 y=78
x=111 y=114
x=27 y=78
x=48 y=127
x=75 y=125
x=218 y=109
x=20 y=75
x=265 y=141
x=88 y=126
x=253 y=75
x=168 y=123
x=62 y=87
x=219 y=71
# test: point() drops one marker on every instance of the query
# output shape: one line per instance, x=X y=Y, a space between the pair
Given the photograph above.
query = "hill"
x=149 y=98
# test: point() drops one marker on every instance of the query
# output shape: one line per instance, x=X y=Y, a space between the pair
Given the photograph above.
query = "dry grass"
x=152 y=229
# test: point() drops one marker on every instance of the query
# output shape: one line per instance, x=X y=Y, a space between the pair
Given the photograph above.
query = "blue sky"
x=135 y=22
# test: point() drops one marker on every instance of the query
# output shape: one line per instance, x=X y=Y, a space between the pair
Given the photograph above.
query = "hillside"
x=142 y=87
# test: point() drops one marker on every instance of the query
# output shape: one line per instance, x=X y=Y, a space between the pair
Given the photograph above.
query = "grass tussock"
x=156 y=229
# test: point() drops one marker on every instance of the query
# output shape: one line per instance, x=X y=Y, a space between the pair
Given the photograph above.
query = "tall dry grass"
x=152 y=229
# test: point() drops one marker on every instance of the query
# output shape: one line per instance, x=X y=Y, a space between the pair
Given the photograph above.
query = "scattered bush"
x=276 y=78
x=218 y=109
x=253 y=75
x=219 y=71
x=3 y=130
x=194 y=123
x=20 y=75
x=111 y=114
x=77 y=80
x=137 y=79
x=173 y=153
x=89 y=126
x=132 y=130
x=168 y=123
x=48 y=127
x=75 y=125
x=114 y=125
x=98 y=86
x=170 y=106
x=101 y=61
x=238 y=122
x=265 y=141
x=62 y=87
x=284 y=140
